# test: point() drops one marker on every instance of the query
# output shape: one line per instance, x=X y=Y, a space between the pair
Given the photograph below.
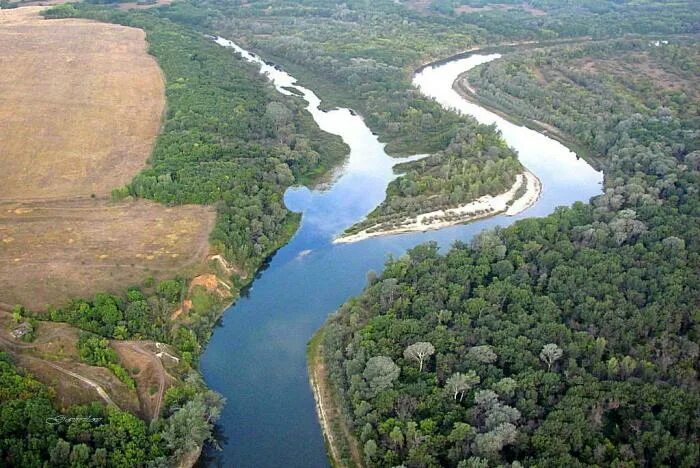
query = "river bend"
x=256 y=358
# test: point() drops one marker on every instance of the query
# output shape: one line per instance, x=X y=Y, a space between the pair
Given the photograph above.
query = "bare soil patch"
x=51 y=252
x=80 y=105
x=143 y=5
x=53 y=359
x=539 y=76
x=638 y=66
x=418 y=5
x=80 y=109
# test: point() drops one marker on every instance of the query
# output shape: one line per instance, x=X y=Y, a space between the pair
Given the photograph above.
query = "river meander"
x=256 y=358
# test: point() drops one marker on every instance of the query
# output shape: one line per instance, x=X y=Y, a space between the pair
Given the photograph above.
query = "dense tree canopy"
x=548 y=19
x=34 y=434
x=565 y=341
x=568 y=340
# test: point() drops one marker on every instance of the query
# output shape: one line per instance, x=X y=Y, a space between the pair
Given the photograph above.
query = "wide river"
x=256 y=358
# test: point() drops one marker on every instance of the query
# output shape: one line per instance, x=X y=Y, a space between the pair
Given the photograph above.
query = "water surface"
x=256 y=359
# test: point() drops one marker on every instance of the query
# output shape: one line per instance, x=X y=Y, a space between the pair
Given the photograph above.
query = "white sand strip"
x=482 y=207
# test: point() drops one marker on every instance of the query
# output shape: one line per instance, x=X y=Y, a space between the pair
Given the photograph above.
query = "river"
x=256 y=358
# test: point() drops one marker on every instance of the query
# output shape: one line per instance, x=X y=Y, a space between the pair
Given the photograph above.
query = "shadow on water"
x=257 y=359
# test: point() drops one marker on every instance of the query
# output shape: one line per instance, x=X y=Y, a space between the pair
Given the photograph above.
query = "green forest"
x=473 y=165
x=570 y=340
x=567 y=340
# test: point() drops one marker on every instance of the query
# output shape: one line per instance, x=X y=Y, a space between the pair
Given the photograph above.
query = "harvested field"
x=80 y=106
x=80 y=109
x=52 y=251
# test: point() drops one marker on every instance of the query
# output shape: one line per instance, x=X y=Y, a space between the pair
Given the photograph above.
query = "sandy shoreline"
x=482 y=207
x=341 y=445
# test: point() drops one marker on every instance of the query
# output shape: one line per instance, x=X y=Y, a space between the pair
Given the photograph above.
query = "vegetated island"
x=475 y=176
x=521 y=195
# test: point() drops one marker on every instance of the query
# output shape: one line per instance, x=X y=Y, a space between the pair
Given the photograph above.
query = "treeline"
x=473 y=165
x=34 y=434
x=354 y=54
x=550 y=19
x=569 y=340
x=96 y=351
x=146 y=314
x=228 y=138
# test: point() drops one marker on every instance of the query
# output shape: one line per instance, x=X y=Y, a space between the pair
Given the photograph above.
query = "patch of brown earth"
x=526 y=7
x=51 y=252
x=141 y=360
x=53 y=360
x=539 y=76
x=143 y=5
x=638 y=66
x=80 y=109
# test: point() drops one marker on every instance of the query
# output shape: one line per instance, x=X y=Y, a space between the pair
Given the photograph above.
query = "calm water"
x=256 y=359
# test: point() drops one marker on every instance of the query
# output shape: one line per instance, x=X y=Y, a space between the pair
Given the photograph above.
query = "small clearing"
x=526 y=7
x=52 y=358
x=143 y=5
x=148 y=371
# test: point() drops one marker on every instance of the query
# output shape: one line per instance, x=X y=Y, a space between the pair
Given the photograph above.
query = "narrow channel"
x=256 y=359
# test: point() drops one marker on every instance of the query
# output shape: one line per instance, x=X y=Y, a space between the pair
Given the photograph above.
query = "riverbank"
x=471 y=94
x=341 y=446
x=265 y=336
x=522 y=195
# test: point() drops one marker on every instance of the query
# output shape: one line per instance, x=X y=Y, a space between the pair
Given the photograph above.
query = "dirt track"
x=13 y=346
x=53 y=355
x=138 y=354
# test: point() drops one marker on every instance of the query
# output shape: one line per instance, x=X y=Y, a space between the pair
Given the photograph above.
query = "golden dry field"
x=80 y=109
